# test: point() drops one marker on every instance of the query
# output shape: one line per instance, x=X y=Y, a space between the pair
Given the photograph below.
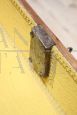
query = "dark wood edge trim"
x=68 y=56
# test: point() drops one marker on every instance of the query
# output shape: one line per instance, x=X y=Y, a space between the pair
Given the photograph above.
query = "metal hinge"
x=40 y=50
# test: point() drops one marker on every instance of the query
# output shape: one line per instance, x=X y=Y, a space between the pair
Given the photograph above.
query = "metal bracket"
x=40 y=50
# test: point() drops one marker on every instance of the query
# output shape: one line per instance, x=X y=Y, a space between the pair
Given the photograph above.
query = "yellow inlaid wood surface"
x=21 y=91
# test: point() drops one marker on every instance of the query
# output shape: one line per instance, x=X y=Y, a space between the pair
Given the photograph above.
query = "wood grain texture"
x=21 y=93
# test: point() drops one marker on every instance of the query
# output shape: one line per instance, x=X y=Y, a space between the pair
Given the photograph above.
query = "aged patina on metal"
x=40 y=50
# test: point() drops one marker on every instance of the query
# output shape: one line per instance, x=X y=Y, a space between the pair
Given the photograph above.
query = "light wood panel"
x=60 y=18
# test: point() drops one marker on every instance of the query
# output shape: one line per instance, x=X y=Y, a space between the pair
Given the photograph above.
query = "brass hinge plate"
x=40 y=50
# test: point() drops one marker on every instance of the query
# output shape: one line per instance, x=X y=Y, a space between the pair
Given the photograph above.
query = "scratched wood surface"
x=61 y=17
